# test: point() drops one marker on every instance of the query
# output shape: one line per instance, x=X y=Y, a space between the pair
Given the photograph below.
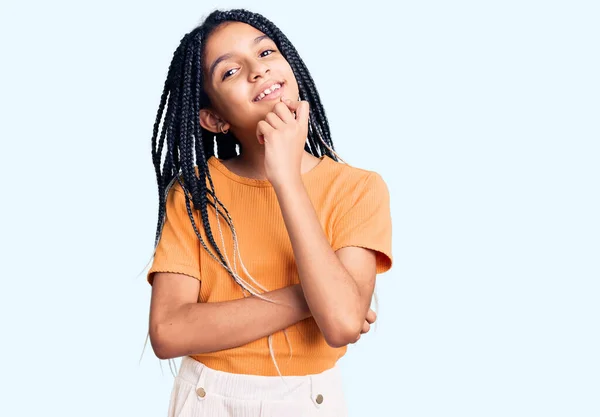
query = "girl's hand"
x=370 y=319
x=284 y=135
x=303 y=306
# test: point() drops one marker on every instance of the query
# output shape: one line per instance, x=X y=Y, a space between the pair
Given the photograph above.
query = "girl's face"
x=240 y=62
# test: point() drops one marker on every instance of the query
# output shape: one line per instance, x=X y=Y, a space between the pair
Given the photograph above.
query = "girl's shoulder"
x=344 y=173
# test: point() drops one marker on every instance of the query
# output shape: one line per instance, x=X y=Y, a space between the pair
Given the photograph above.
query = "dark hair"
x=184 y=95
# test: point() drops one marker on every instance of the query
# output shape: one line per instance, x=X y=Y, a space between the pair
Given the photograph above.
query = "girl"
x=313 y=232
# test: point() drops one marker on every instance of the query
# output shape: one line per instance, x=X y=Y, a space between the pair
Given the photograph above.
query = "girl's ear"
x=212 y=122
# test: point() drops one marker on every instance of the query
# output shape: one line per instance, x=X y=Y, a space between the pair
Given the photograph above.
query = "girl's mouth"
x=273 y=94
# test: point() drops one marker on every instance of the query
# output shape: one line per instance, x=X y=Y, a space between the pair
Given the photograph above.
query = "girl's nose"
x=258 y=68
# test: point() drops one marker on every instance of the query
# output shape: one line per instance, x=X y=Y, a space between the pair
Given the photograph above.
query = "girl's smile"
x=273 y=93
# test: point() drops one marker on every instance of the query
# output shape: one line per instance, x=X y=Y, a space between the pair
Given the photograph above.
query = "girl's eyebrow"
x=229 y=55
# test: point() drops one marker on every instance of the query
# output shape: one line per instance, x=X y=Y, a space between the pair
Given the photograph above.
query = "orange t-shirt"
x=353 y=207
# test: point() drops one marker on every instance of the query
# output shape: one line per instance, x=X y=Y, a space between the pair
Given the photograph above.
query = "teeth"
x=267 y=91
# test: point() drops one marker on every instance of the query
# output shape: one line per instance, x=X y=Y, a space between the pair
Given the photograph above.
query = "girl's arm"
x=338 y=285
x=193 y=327
x=338 y=300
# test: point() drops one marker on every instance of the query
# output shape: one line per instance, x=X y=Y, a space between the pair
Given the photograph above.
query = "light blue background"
x=482 y=117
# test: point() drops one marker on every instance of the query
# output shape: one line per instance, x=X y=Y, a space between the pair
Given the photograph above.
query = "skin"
x=335 y=287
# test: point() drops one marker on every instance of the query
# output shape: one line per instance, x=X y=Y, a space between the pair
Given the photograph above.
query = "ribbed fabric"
x=201 y=391
x=353 y=207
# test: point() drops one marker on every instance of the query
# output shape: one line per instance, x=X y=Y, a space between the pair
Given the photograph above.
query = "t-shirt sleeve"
x=368 y=223
x=178 y=248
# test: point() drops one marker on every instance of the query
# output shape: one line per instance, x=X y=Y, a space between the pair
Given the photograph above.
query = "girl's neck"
x=252 y=164
x=248 y=164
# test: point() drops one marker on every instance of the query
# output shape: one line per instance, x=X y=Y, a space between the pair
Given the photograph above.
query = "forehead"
x=229 y=38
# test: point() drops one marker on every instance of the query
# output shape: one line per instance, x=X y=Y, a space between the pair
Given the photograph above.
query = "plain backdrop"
x=481 y=116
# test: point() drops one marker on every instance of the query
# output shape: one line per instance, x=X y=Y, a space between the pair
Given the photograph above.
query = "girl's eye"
x=272 y=50
x=225 y=75
x=261 y=54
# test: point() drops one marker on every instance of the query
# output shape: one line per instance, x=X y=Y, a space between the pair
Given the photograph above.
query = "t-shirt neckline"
x=216 y=162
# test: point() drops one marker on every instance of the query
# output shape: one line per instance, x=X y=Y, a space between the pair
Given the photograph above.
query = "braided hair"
x=189 y=145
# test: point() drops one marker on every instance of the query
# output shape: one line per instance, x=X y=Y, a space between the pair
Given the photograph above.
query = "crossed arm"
x=181 y=326
x=335 y=288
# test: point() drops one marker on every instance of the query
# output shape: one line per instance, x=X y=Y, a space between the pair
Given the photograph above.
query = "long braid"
x=189 y=145
x=156 y=153
x=189 y=116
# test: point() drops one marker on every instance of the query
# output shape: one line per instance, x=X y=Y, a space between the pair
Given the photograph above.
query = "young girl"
x=266 y=250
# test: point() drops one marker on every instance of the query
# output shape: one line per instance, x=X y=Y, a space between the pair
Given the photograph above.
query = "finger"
x=303 y=111
x=282 y=110
x=371 y=316
x=366 y=327
x=263 y=129
x=274 y=120
x=293 y=105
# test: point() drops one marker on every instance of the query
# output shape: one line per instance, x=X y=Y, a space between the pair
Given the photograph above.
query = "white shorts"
x=202 y=391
